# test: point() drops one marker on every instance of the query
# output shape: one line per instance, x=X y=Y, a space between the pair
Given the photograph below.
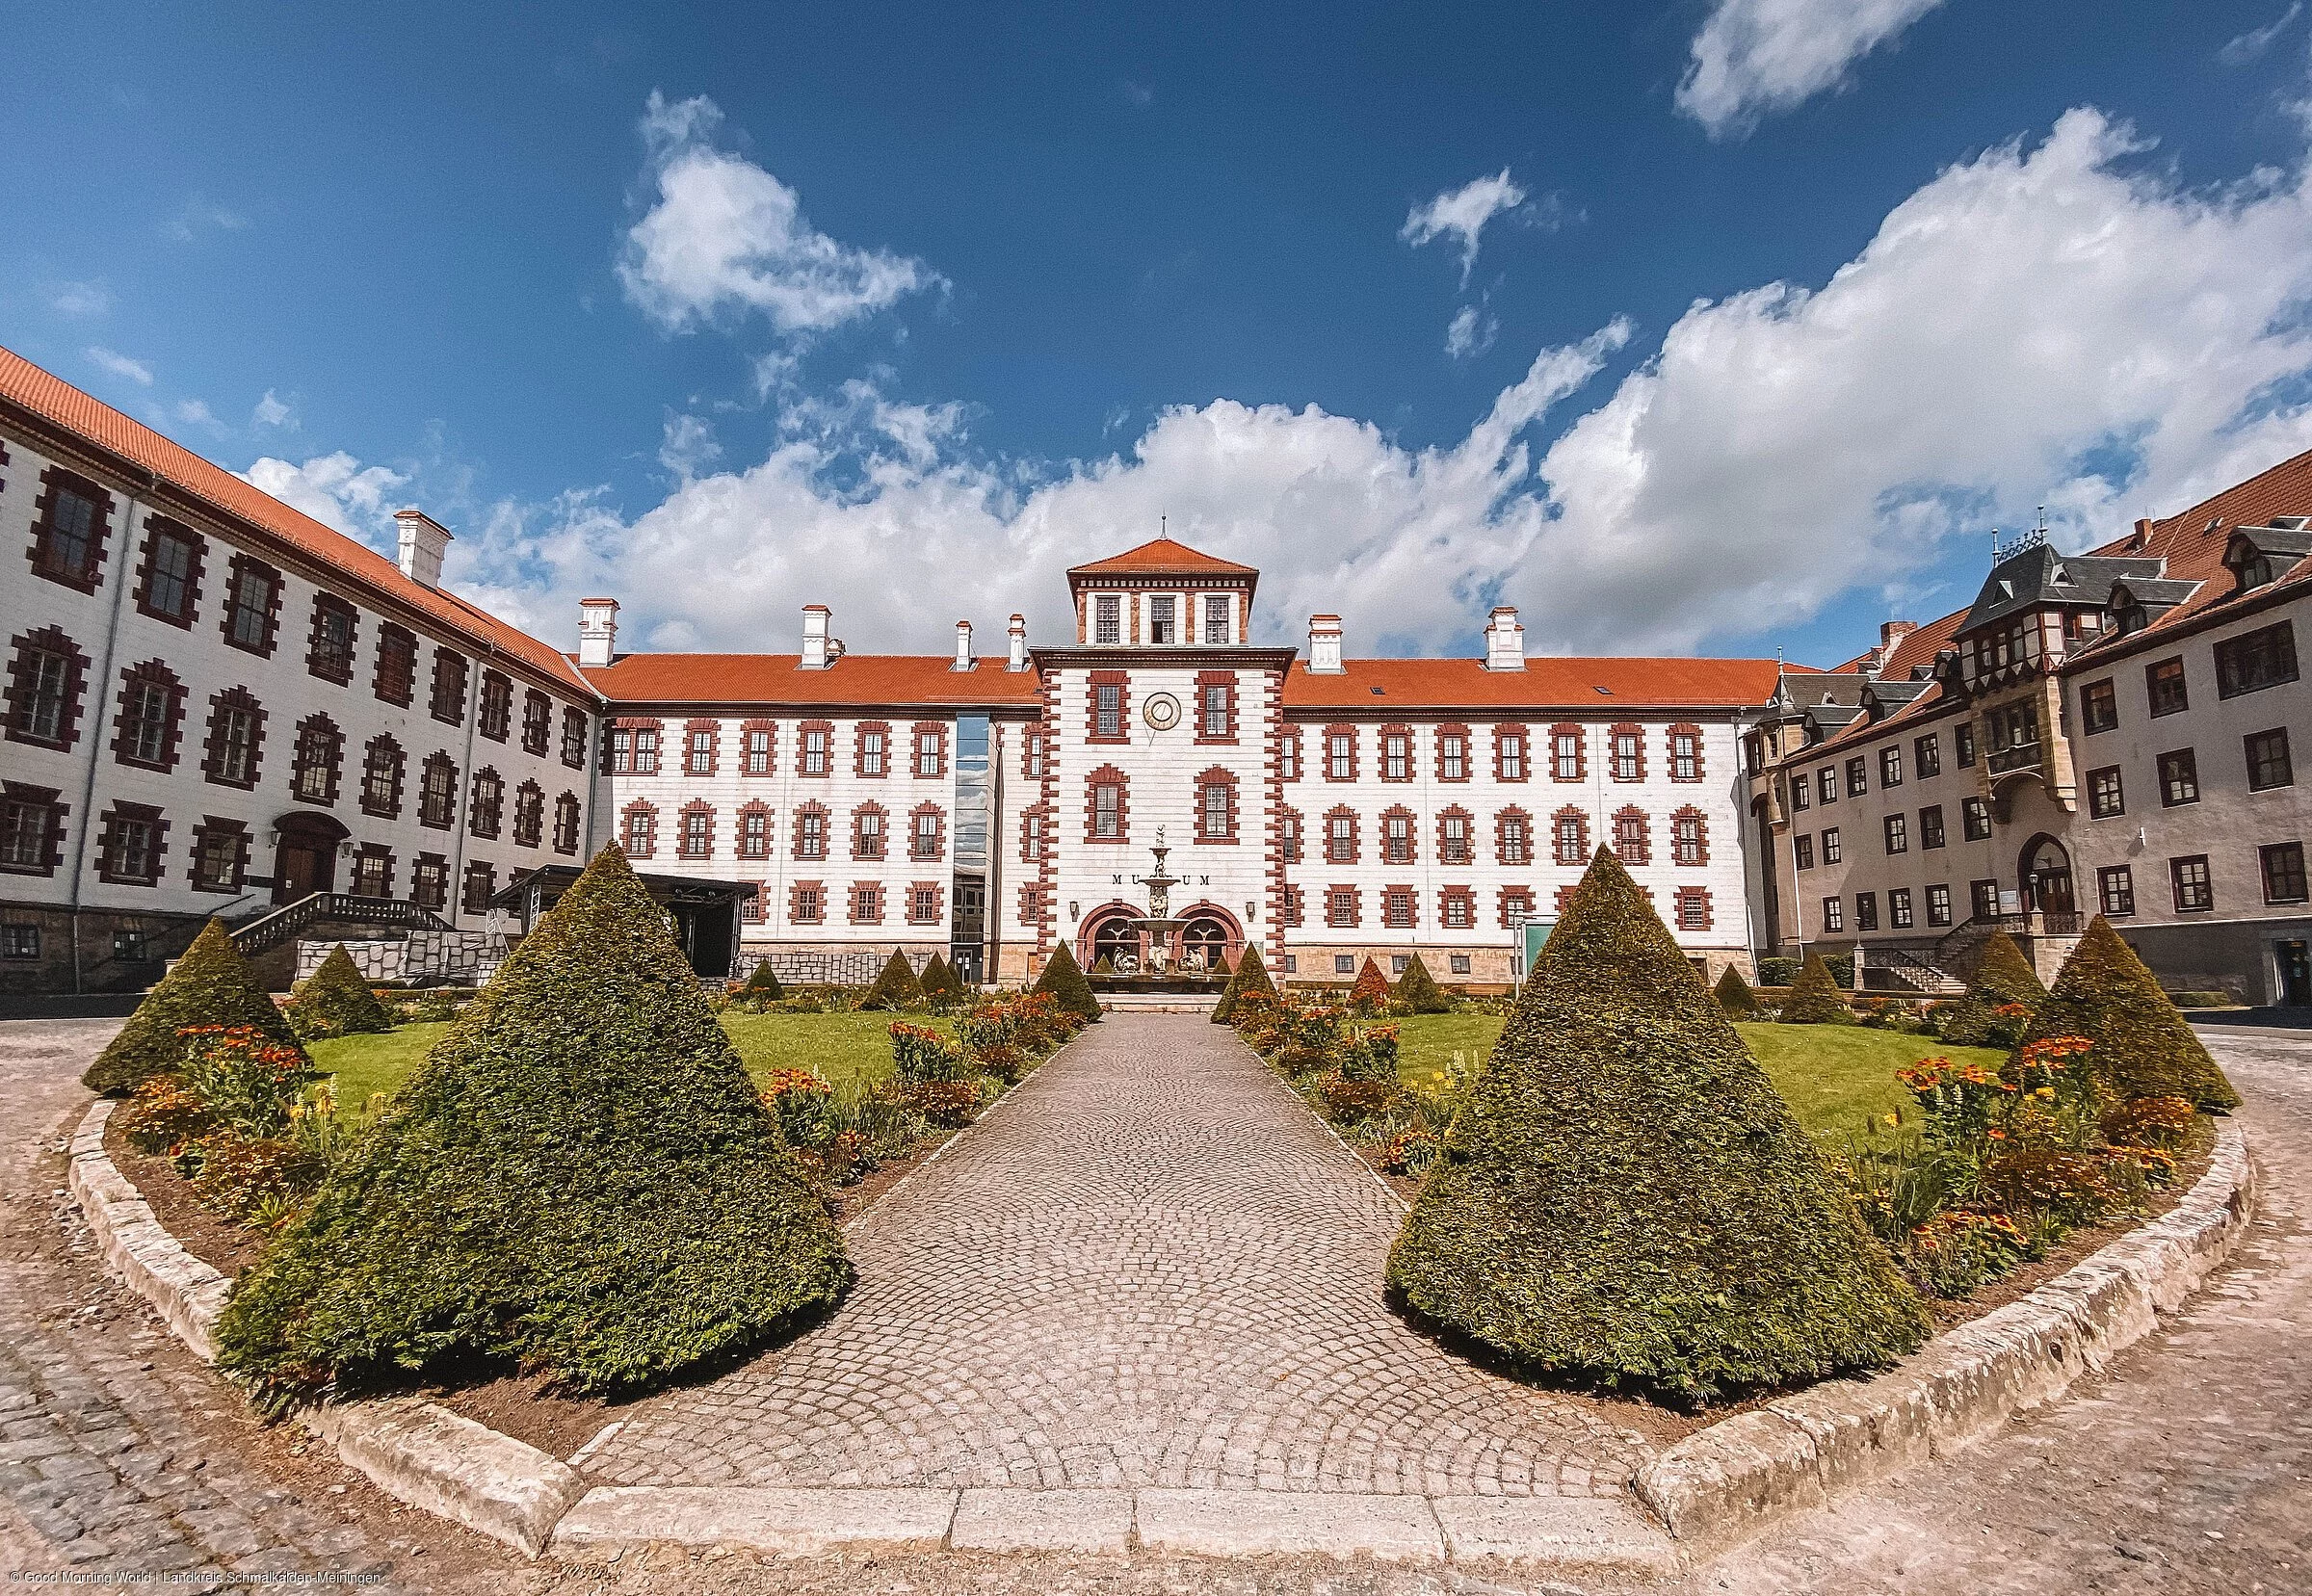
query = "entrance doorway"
x=2295 y=960
x=1116 y=940
x=2047 y=876
x=304 y=858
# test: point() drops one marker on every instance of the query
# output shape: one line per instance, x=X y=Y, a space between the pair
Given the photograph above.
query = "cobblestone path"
x=1148 y=1266
x=121 y=1453
x=2187 y=1468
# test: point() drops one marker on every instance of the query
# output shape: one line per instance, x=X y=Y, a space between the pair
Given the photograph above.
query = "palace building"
x=216 y=705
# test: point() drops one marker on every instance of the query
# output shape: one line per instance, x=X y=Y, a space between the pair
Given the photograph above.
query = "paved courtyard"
x=1149 y=1265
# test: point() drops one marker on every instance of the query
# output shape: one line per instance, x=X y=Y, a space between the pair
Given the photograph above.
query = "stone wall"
x=430 y=958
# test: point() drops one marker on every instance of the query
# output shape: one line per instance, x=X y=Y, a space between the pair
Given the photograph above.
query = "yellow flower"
x=1894 y=1120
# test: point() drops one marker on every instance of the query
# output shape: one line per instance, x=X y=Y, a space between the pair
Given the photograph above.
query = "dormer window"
x=2129 y=617
x=1164 y=626
x=2255 y=571
x=1108 y=618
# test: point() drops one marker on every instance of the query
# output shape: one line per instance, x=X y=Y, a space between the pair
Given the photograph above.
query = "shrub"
x=243 y=1079
x=762 y=983
x=2202 y=1000
x=1625 y=1200
x=162 y=1115
x=1066 y=985
x=1371 y=993
x=2144 y=1048
x=1371 y=1055
x=1815 y=998
x=1348 y=1100
x=579 y=1177
x=943 y=988
x=1734 y=994
x=211 y=985
x=919 y=1053
x=2000 y=997
x=334 y=1001
x=897 y=988
x=1777 y=972
x=1418 y=991
x=237 y=1175
x=435 y=1005
x=1248 y=980
x=1842 y=970
x=804 y=1105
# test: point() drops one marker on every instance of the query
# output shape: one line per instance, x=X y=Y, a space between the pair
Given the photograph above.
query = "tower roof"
x=1160 y=557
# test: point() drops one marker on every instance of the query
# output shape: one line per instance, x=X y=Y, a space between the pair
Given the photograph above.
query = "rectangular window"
x=397 y=664
x=497 y=706
x=2179 y=778
x=1106 y=618
x=169 y=577
x=1216 y=618
x=1288 y=836
x=2115 y=889
x=1891 y=767
x=1962 y=738
x=1801 y=793
x=1340 y=755
x=331 y=652
x=1459 y=911
x=1340 y=910
x=1826 y=783
x=2195 y=890
x=429 y=882
x=1930 y=827
x=1458 y=963
x=698 y=756
x=145 y=723
x=2283 y=872
x=1565 y=755
x=810 y=835
x=1162 y=626
x=757 y=755
x=1897 y=908
x=697 y=833
x=1929 y=751
x=537 y=722
x=814 y=750
x=1834 y=915
x=573 y=739
x=1938 y=905
x=2164 y=684
x=2268 y=762
x=1216 y=709
x=1453 y=840
x=1108 y=712
x=1216 y=810
x=1453 y=757
x=2105 y=798
x=929 y=754
x=1685 y=756
x=2261 y=659
x=871 y=835
x=448 y=701
x=1801 y=851
x=235 y=730
x=1831 y=854
x=1975 y=816
x=809 y=903
x=1982 y=899
x=1288 y=754
x=1858 y=781
x=1510 y=748
x=1897 y=835
x=1515 y=844
x=1626 y=756
x=1866 y=911
x=1396 y=757
x=1397 y=840
x=1340 y=839
x=926 y=837
x=2098 y=706
x=1397 y=909
x=1107 y=810
x=24 y=831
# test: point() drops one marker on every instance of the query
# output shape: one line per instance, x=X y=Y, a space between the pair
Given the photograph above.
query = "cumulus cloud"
x=1755 y=56
x=2250 y=45
x=1462 y=214
x=335 y=489
x=2052 y=322
x=724 y=238
x=273 y=411
x=80 y=299
x=120 y=365
x=689 y=446
x=1470 y=333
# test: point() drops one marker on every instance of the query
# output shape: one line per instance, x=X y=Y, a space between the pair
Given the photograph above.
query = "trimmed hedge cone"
x=2003 y=976
x=1625 y=1200
x=212 y=985
x=1249 y=980
x=580 y=1178
x=762 y=983
x=1065 y=981
x=1734 y=994
x=2144 y=1045
x=1418 y=990
x=897 y=987
x=336 y=994
x=1815 y=996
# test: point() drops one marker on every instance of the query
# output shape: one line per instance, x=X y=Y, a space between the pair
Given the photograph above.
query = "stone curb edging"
x=1730 y=1482
x=188 y=1293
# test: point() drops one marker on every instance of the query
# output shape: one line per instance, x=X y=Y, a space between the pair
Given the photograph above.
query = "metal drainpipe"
x=104 y=675
x=995 y=852
x=466 y=788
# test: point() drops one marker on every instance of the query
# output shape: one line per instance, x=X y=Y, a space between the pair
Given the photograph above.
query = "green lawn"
x=845 y=1049
x=1834 y=1076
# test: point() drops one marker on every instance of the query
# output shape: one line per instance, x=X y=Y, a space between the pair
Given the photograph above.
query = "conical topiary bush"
x=1734 y=995
x=1815 y=998
x=2003 y=976
x=1418 y=990
x=579 y=1177
x=212 y=985
x=335 y=996
x=897 y=988
x=1248 y=980
x=762 y=983
x=2143 y=1046
x=1369 y=995
x=934 y=981
x=1065 y=981
x=1626 y=1200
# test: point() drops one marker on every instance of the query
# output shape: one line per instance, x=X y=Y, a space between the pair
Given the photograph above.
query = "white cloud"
x=1463 y=213
x=689 y=447
x=80 y=299
x=2046 y=323
x=120 y=365
x=2250 y=45
x=1470 y=333
x=196 y=412
x=273 y=411
x=335 y=489
x=201 y=215
x=725 y=238
x=1754 y=57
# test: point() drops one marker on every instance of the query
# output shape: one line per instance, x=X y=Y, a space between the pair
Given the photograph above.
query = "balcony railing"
x=2023 y=756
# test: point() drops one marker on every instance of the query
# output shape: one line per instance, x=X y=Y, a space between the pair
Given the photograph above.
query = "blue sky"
x=1735 y=324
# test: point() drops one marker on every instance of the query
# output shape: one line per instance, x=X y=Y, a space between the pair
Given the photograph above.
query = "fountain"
x=1161 y=973
x=1158 y=924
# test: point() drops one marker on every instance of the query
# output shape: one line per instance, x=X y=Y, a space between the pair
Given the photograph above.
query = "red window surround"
x=1343 y=906
x=1457 y=908
x=33 y=690
x=1625 y=751
x=759 y=748
x=1513 y=837
x=1292 y=909
x=1216 y=806
x=815 y=749
x=1340 y=836
x=866 y=902
x=1288 y=754
x=810 y=831
x=1336 y=747
x=870 y=750
x=1693 y=909
x=639 y=830
x=1689 y=837
x=396 y=677
x=806 y=902
x=695 y=840
x=1456 y=836
x=927 y=832
x=1512 y=754
x=1400 y=908
x=754 y=834
x=701 y=747
x=1030 y=903
x=1097 y=826
x=1121 y=681
x=255 y=631
x=1683 y=746
x=1206 y=682
x=870 y=832
x=1570 y=836
x=132 y=844
x=1398 y=754
x=1514 y=905
x=1633 y=837
x=35 y=808
x=1400 y=835
x=220 y=753
x=1448 y=738
x=1288 y=836
x=927 y=750
x=925 y=900
x=1569 y=752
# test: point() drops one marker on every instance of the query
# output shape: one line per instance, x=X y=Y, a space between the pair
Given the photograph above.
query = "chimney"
x=1019 y=644
x=598 y=630
x=2143 y=535
x=1325 y=646
x=966 y=659
x=1891 y=633
x=423 y=541
x=1505 y=639
x=815 y=654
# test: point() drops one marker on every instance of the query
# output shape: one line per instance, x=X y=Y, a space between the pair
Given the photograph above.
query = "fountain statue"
x=1158 y=922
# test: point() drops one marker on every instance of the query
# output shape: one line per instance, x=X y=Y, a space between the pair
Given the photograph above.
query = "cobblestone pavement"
x=1149 y=1265
x=121 y=1454
x=2188 y=1467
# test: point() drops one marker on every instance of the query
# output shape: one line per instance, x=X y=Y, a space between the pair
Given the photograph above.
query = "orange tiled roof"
x=1547 y=683
x=58 y=401
x=855 y=681
x=1162 y=556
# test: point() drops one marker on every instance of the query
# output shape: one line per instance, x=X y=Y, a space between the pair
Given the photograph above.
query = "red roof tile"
x=1162 y=557
x=58 y=401
x=896 y=681
x=1550 y=683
